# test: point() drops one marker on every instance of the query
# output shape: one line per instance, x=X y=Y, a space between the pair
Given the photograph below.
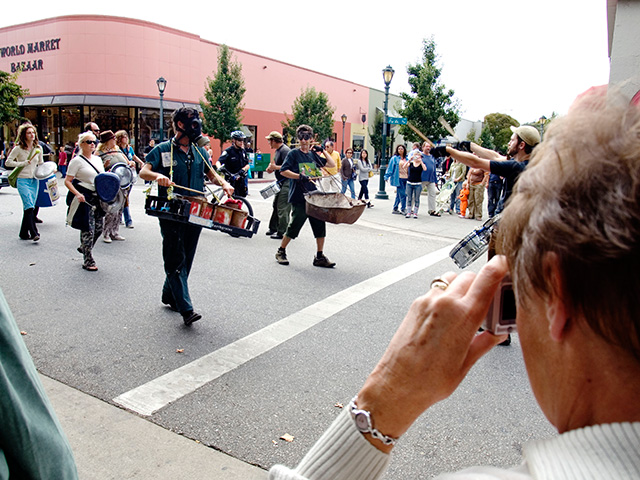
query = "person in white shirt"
x=569 y=237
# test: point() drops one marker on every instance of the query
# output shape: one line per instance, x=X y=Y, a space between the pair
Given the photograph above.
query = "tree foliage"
x=311 y=108
x=499 y=126
x=10 y=92
x=222 y=107
x=486 y=139
x=429 y=99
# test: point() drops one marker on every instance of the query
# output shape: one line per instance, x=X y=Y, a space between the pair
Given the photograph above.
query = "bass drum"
x=125 y=174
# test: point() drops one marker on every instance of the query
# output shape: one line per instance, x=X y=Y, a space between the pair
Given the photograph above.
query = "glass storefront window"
x=71 y=127
x=111 y=118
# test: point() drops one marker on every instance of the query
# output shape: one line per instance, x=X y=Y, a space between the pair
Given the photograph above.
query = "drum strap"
x=87 y=160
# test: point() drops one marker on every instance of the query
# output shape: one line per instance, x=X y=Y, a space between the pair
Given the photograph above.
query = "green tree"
x=311 y=108
x=471 y=136
x=499 y=126
x=222 y=107
x=10 y=92
x=375 y=134
x=486 y=139
x=429 y=99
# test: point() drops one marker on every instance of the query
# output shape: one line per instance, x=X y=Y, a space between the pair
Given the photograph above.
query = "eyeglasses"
x=90 y=142
x=305 y=136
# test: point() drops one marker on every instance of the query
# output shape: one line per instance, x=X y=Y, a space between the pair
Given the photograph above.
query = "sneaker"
x=106 y=239
x=118 y=237
x=281 y=257
x=323 y=261
x=190 y=317
x=415 y=215
x=130 y=225
x=397 y=212
x=433 y=213
x=408 y=215
x=277 y=236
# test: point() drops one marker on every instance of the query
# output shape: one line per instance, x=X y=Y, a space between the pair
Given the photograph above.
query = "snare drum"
x=48 y=193
x=270 y=190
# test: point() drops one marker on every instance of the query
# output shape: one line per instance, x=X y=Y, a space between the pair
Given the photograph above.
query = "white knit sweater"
x=608 y=452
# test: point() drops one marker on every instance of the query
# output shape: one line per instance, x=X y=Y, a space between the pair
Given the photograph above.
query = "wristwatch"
x=362 y=418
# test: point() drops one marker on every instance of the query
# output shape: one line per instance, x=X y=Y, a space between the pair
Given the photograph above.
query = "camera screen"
x=508 y=307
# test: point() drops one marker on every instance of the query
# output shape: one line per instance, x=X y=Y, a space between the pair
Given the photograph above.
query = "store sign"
x=26 y=49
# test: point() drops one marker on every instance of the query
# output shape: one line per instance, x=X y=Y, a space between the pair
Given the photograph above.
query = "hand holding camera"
x=439 y=152
x=463 y=146
x=317 y=149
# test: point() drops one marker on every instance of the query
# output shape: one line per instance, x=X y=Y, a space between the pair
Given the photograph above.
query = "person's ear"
x=557 y=314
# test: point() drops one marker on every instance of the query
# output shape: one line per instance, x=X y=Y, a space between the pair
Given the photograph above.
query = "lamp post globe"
x=387 y=76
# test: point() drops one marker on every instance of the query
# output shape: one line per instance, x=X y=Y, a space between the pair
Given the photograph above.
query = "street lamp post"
x=387 y=75
x=344 y=121
x=162 y=84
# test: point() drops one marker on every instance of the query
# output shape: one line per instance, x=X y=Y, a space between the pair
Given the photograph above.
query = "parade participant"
x=281 y=207
x=331 y=180
x=122 y=141
x=111 y=155
x=27 y=155
x=85 y=211
x=235 y=161
x=180 y=161
x=570 y=233
x=300 y=164
x=429 y=178
x=521 y=145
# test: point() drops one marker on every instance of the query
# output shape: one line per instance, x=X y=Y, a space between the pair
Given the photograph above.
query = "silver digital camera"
x=501 y=317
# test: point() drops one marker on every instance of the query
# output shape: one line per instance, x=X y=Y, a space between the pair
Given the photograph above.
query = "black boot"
x=24 y=227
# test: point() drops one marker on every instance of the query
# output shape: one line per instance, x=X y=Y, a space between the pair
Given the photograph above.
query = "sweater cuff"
x=343 y=453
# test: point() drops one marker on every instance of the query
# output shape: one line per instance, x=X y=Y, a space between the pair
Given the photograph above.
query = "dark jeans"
x=454 y=203
x=401 y=195
x=364 y=189
x=179 y=243
x=494 y=192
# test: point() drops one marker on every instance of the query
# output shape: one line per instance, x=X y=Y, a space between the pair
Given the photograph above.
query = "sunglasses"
x=305 y=136
x=90 y=142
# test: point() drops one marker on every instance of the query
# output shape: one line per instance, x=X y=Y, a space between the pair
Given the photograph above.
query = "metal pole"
x=161 y=118
x=381 y=193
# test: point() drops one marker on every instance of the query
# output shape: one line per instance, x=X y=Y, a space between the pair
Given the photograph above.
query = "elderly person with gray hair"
x=85 y=212
x=570 y=238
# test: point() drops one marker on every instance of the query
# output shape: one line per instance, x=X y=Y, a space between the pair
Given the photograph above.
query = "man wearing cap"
x=523 y=140
x=281 y=206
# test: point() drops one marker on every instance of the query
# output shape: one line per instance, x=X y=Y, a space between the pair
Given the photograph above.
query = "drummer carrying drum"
x=300 y=164
x=180 y=161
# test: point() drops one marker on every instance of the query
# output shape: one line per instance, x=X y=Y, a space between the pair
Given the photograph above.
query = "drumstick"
x=447 y=127
x=420 y=134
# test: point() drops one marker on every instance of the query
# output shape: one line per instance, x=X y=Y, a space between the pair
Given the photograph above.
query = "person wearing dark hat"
x=281 y=206
x=522 y=142
x=175 y=163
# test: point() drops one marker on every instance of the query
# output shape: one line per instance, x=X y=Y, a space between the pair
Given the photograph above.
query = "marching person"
x=111 y=155
x=180 y=162
x=570 y=234
x=300 y=164
x=235 y=161
x=122 y=141
x=27 y=155
x=281 y=207
x=85 y=209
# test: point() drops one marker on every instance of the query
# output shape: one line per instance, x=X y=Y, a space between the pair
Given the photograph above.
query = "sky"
x=525 y=59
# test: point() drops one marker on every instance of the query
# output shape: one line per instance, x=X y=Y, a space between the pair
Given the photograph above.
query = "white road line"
x=158 y=393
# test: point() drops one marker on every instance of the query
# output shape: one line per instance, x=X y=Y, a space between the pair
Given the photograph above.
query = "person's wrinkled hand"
x=433 y=349
x=228 y=189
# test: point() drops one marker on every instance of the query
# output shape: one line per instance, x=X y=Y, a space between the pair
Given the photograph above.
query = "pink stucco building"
x=98 y=68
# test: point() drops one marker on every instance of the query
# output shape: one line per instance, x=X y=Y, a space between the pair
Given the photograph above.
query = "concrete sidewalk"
x=110 y=443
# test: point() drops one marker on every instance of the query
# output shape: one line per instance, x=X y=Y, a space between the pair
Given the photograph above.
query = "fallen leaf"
x=287 y=438
x=179 y=350
x=22 y=332
x=339 y=405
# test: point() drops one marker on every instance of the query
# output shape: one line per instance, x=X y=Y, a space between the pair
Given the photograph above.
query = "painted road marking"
x=158 y=393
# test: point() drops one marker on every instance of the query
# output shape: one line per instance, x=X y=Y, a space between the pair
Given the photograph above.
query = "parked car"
x=4 y=177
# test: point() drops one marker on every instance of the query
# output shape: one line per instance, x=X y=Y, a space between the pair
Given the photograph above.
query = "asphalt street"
x=278 y=348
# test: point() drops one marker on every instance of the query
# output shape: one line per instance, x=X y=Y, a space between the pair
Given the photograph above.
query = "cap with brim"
x=274 y=136
x=529 y=135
